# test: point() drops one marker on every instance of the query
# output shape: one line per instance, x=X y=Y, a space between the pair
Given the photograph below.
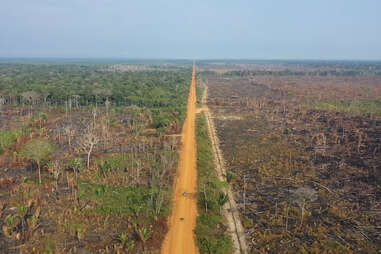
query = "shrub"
x=210 y=229
x=8 y=137
x=113 y=163
x=38 y=150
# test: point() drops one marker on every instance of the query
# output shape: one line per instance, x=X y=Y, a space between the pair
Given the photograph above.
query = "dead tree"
x=107 y=105
x=301 y=196
x=2 y=102
x=88 y=141
x=76 y=99
x=32 y=98
x=70 y=132
x=360 y=139
x=94 y=113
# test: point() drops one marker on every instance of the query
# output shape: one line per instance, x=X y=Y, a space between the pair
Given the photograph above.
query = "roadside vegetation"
x=199 y=93
x=211 y=235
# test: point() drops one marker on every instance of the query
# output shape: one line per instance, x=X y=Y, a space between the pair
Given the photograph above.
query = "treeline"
x=163 y=92
x=287 y=72
x=83 y=85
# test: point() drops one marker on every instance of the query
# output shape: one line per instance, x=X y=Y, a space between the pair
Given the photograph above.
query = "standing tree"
x=88 y=141
x=31 y=97
x=70 y=132
x=301 y=196
x=2 y=101
x=43 y=117
x=38 y=150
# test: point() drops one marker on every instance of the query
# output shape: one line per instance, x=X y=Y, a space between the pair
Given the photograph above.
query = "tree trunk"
x=88 y=156
x=88 y=159
x=39 y=172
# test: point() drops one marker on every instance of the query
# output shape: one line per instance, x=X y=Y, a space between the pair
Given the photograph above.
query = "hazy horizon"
x=202 y=30
x=111 y=59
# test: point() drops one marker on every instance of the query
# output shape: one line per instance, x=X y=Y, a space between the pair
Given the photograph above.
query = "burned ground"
x=307 y=178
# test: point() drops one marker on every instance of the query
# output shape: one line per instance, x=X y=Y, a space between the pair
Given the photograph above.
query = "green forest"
x=162 y=91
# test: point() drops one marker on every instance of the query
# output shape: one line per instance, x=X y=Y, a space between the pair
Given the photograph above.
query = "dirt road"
x=180 y=238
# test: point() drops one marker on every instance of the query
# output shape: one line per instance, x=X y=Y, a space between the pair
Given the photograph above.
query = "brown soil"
x=180 y=237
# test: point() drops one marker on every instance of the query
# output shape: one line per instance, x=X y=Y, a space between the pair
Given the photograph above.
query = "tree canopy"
x=37 y=150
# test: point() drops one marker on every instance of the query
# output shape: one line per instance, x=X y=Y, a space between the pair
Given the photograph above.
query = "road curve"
x=180 y=237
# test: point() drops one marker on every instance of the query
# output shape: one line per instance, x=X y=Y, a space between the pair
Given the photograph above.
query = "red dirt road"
x=180 y=237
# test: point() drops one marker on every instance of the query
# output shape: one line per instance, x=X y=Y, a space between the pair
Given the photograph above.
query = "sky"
x=191 y=29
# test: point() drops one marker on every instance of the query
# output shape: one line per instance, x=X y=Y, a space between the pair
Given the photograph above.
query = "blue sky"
x=250 y=29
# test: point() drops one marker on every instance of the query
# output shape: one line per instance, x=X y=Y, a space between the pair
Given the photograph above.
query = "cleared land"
x=303 y=141
x=230 y=210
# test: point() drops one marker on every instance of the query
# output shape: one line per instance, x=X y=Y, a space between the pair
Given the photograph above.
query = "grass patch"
x=199 y=93
x=112 y=163
x=109 y=199
x=8 y=137
x=210 y=230
x=359 y=107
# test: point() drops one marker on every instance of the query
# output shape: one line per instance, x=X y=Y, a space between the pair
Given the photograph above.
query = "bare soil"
x=180 y=237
